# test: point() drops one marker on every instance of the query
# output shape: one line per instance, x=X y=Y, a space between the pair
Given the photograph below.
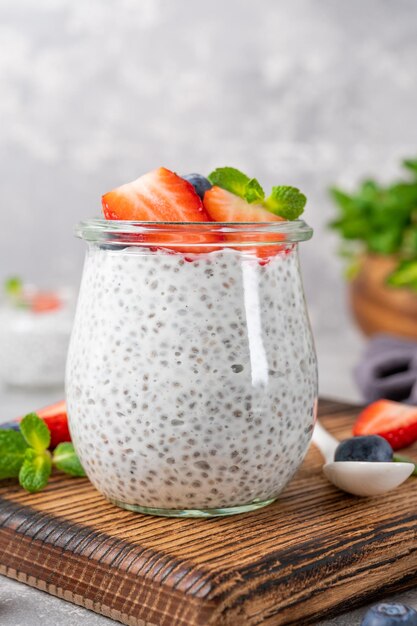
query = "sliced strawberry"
x=223 y=206
x=394 y=421
x=42 y=302
x=159 y=196
x=55 y=417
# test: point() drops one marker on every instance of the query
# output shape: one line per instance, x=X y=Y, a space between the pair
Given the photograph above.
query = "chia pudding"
x=34 y=345
x=191 y=379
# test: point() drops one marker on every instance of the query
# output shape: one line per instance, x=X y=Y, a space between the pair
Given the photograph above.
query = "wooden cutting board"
x=315 y=551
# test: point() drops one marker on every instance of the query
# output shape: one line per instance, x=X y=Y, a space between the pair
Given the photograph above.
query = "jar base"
x=220 y=512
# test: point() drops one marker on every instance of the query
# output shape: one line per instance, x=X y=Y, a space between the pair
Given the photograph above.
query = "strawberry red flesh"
x=43 y=302
x=394 y=421
x=159 y=196
x=55 y=417
x=223 y=206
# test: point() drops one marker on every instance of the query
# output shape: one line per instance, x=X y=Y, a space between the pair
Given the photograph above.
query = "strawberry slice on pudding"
x=160 y=196
x=224 y=206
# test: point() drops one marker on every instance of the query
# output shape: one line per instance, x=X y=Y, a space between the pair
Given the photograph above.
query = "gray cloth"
x=388 y=369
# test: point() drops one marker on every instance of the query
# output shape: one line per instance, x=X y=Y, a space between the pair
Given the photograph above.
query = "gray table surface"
x=21 y=605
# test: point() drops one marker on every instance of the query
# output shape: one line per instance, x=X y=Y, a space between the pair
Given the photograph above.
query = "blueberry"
x=390 y=614
x=199 y=182
x=367 y=448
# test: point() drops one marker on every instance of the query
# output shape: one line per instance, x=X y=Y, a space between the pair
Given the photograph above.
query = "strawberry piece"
x=394 y=421
x=55 y=417
x=223 y=206
x=43 y=302
x=159 y=196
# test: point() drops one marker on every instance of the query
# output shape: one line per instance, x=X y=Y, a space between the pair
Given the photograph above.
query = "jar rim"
x=98 y=230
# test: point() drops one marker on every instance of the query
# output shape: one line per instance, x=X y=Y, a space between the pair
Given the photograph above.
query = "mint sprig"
x=286 y=201
x=35 y=471
x=15 y=293
x=405 y=275
x=381 y=219
x=254 y=191
x=24 y=454
x=237 y=182
x=12 y=453
x=66 y=460
x=13 y=286
x=36 y=432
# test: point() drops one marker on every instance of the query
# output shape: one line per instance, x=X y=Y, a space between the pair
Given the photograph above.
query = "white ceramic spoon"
x=361 y=478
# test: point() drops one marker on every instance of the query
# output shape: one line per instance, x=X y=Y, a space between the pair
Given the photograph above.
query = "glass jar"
x=34 y=340
x=191 y=376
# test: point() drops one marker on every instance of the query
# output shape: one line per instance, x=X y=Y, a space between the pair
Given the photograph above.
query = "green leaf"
x=341 y=198
x=383 y=218
x=237 y=182
x=36 y=432
x=12 y=453
x=66 y=460
x=231 y=179
x=13 y=286
x=254 y=191
x=385 y=242
x=409 y=242
x=405 y=275
x=35 y=471
x=288 y=202
x=401 y=458
x=411 y=164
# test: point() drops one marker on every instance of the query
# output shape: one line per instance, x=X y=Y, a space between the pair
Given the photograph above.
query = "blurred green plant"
x=381 y=219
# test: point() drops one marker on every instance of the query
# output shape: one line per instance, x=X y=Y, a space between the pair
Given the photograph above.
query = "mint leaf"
x=12 y=453
x=409 y=243
x=383 y=219
x=36 y=432
x=35 y=471
x=66 y=460
x=230 y=179
x=411 y=164
x=385 y=241
x=345 y=202
x=405 y=275
x=237 y=182
x=253 y=191
x=13 y=286
x=286 y=201
x=400 y=458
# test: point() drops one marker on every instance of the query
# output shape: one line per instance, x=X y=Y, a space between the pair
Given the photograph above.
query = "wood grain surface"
x=314 y=552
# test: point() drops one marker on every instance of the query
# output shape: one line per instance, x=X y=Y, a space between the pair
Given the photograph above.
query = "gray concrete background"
x=94 y=93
